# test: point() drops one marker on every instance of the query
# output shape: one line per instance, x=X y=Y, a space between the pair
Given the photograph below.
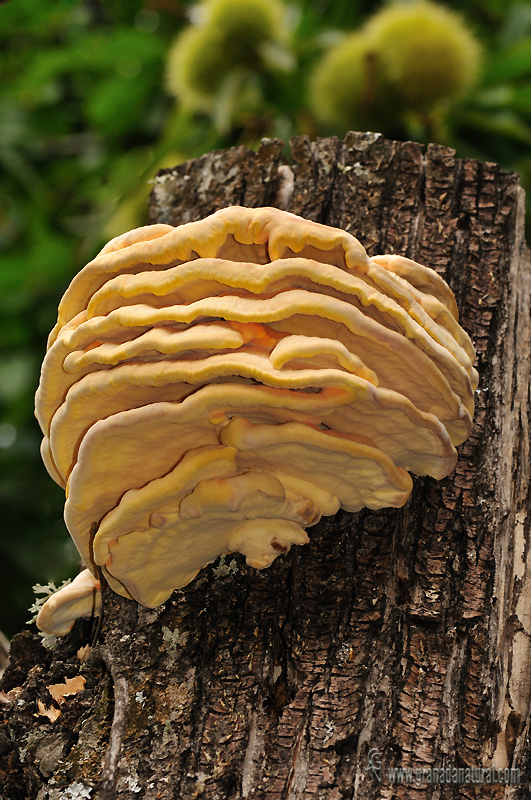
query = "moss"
x=426 y=51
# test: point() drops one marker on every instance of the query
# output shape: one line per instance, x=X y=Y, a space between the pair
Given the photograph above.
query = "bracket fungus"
x=219 y=386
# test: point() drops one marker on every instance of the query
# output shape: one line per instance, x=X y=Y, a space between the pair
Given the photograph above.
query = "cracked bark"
x=407 y=631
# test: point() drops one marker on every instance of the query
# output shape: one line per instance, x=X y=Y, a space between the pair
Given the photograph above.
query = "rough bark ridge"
x=407 y=631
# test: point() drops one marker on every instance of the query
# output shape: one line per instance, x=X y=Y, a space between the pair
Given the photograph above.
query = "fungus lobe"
x=219 y=386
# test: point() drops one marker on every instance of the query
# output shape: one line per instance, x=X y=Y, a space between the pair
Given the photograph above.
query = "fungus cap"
x=219 y=386
x=81 y=598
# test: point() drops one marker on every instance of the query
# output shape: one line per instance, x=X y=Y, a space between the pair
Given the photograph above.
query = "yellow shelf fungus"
x=219 y=386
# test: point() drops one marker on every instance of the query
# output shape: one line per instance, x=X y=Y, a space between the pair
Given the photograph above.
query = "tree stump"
x=398 y=639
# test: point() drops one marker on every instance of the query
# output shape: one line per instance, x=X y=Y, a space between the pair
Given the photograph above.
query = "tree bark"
x=401 y=634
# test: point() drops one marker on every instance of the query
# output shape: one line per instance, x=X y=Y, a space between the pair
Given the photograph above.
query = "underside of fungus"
x=219 y=386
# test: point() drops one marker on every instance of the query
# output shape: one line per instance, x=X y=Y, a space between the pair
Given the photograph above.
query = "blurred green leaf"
x=510 y=63
x=502 y=124
x=17 y=375
x=120 y=103
x=517 y=23
x=521 y=99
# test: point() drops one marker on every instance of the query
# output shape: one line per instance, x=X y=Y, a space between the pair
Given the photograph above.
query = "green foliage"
x=347 y=88
x=197 y=67
x=81 y=113
x=86 y=119
x=244 y=25
x=426 y=51
x=222 y=65
x=408 y=58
